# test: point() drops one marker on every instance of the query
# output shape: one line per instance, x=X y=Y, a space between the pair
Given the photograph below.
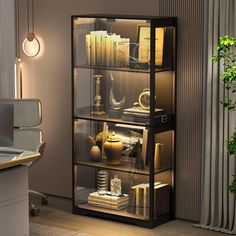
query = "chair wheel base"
x=35 y=211
x=44 y=201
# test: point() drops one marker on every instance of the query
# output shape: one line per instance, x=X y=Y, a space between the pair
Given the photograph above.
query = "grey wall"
x=7 y=47
x=189 y=102
x=48 y=78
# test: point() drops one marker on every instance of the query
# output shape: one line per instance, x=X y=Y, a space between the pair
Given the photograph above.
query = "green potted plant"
x=226 y=53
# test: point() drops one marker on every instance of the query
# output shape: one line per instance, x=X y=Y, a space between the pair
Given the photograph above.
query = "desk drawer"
x=13 y=183
x=14 y=219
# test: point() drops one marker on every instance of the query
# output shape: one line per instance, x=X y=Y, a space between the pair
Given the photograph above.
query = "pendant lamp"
x=31 y=45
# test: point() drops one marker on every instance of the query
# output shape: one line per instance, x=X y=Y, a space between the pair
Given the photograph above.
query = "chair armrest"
x=40 y=148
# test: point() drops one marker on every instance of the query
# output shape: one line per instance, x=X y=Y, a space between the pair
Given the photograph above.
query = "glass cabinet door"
x=163 y=130
x=111 y=72
x=111 y=170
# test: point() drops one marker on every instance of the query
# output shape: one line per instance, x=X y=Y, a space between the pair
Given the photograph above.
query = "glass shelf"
x=124 y=167
x=161 y=119
x=159 y=126
x=125 y=69
x=122 y=212
x=109 y=120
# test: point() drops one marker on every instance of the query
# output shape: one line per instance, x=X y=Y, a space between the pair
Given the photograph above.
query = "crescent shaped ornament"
x=115 y=105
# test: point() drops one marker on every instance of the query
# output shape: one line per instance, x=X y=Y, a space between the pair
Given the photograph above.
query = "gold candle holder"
x=98 y=107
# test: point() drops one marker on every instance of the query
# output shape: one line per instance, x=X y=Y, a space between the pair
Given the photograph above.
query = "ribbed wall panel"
x=190 y=44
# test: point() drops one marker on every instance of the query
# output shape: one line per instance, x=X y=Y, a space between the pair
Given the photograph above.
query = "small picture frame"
x=144 y=44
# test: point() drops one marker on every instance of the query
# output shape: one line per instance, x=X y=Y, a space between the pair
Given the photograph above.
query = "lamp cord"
x=32 y=16
x=28 y=13
x=17 y=28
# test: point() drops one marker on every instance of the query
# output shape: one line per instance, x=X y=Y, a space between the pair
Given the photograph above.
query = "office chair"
x=27 y=115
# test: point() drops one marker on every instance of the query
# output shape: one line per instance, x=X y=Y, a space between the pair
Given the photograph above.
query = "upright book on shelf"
x=88 y=48
x=93 y=47
x=139 y=199
x=99 y=46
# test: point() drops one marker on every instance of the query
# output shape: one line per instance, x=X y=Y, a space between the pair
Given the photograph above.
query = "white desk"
x=14 y=206
x=7 y=161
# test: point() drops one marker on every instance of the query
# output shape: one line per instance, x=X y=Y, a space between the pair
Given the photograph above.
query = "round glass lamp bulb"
x=31 y=45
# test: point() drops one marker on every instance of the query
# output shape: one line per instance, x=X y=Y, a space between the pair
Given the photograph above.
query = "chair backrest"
x=27 y=114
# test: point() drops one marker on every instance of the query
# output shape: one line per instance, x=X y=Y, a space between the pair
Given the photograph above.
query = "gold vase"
x=95 y=153
x=113 y=148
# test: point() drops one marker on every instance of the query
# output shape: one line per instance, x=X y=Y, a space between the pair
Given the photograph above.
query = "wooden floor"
x=57 y=214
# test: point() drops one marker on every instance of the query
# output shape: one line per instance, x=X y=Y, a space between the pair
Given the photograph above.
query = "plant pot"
x=113 y=148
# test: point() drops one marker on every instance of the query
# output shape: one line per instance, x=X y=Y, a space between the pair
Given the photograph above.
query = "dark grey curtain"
x=218 y=204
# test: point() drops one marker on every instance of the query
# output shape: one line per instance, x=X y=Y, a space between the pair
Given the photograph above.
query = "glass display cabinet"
x=123 y=85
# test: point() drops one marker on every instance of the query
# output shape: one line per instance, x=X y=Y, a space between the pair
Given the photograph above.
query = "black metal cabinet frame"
x=165 y=122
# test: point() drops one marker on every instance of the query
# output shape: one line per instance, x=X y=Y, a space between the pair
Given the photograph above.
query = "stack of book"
x=108 y=201
x=104 y=49
x=139 y=115
x=139 y=199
